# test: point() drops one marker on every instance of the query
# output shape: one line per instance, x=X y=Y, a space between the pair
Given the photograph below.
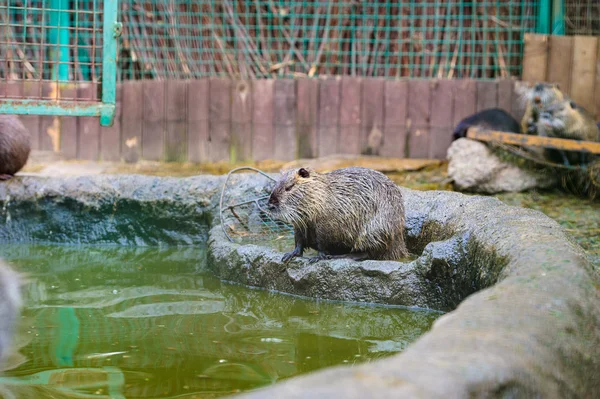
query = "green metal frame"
x=106 y=108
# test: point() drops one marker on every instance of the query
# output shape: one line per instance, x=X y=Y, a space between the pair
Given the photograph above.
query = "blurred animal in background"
x=534 y=98
x=493 y=119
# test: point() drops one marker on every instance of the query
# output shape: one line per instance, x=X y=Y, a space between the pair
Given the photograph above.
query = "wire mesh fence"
x=186 y=39
x=51 y=41
x=582 y=17
x=253 y=39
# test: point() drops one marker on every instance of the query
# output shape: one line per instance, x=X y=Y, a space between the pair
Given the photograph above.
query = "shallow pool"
x=125 y=322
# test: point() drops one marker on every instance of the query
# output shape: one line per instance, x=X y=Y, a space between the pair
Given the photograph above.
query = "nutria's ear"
x=303 y=173
x=557 y=86
x=572 y=104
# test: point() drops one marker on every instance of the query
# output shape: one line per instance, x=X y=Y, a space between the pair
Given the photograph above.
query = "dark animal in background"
x=15 y=146
x=493 y=119
x=568 y=120
x=10 y=305
x=535 y=98
x=352 y=212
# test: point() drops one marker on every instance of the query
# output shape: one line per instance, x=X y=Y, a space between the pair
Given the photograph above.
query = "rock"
x=474 y=168
x=524 y=299
x=382 y=164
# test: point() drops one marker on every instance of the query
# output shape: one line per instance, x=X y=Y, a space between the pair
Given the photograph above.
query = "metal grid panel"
x=582 y=17
x=45 y=42
x=265 y=38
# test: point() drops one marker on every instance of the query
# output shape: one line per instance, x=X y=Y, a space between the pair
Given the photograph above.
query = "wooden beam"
x=534 y=141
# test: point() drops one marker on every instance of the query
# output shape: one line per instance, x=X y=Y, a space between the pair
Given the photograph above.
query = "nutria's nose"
x=539 y=87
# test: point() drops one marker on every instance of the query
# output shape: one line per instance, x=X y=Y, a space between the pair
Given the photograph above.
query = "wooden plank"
x=241 y=121
x=329 y=117
x=176 y=135
x=197 y=124
x=263 y=139
x=560 y=58
x=534 y=141
x=505 y=94
x=465 y=95
x=442 y=107
x=68 y=126
x=49 y=125
x=350 y=116
x=307 y=95
x=395 y=104
x=597 y=97
x=153 y=133
x=372 y=116
x=110 y=137
x=88 y=127
x=32 y=122
x=219 y=117
x=419 y=94
x=487 y=95
x=132 y=120
x=583 y=73
x=535 y=58
x=286 y=144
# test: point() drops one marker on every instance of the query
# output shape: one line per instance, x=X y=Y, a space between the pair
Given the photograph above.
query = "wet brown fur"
x=355 y=212
x=15 y=145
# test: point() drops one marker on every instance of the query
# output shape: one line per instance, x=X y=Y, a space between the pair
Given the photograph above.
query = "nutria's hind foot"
x=320 y=256
x=5 y=177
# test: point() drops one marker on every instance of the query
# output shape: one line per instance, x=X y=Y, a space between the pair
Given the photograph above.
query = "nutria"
x=493 y=119
x=535 y=98
x=352 y=212
x=10 y=305
x=568 y=120
x=14 y=146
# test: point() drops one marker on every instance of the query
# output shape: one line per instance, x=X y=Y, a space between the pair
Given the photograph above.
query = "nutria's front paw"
x=288 y=256
x=319 y=257
x=5 y=177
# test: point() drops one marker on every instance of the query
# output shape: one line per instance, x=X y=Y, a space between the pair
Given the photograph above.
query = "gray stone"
x=525 y=299
x=474 y=168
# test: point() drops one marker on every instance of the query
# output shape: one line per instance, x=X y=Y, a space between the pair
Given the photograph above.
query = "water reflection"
x=148 y=322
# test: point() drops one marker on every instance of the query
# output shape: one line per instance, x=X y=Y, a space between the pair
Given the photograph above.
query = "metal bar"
x=558 y=17
x=111 y=30
x=543 y=17
x=58 y=35
x=534 y=141
x=52 y=107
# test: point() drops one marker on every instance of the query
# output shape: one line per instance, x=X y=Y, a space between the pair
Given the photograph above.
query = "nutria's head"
x=296 y=196
x=542 y=94
x=555 y=116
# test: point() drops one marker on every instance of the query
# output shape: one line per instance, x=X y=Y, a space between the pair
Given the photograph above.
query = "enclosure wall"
x=215 y=119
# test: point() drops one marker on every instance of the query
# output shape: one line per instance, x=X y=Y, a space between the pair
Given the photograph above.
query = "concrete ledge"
x=534 y=331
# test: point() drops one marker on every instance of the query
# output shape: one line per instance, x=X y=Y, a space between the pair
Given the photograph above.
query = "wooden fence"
x=210 y=120
x=571 y=61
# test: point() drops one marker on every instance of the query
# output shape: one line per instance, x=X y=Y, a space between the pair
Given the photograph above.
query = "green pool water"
x=125 y=322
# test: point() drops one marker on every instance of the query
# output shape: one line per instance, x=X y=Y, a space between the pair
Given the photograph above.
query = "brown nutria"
x=535 y=98
x=10 y=305
x=14 y=146
x=568 y=120
x=352 y=212
x=493 y=118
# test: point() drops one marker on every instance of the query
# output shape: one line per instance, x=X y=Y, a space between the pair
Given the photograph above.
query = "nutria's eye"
x=288 y=188
x=303 y=173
